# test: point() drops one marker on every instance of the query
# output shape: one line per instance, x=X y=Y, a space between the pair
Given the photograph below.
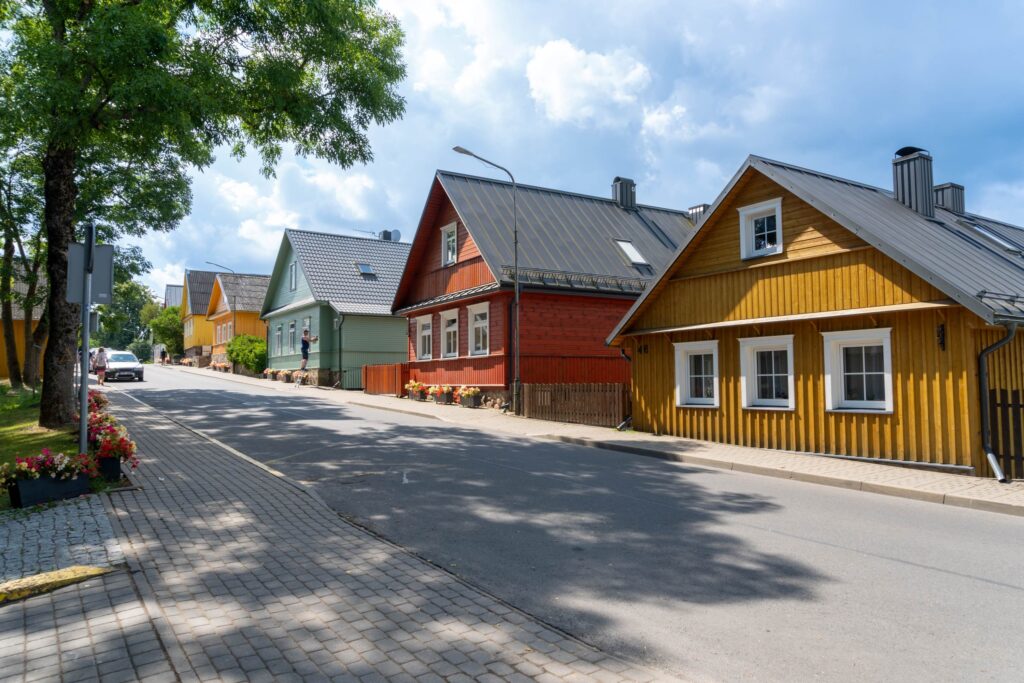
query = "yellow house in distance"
x=195 y=301
x=234 y=309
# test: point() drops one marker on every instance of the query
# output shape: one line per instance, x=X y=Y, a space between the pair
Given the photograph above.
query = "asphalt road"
x=716 y=575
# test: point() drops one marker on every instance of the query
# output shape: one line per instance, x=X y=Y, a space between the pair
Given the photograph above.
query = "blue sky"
x=570 y=94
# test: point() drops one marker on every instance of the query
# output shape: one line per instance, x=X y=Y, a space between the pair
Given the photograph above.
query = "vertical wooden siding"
x=935 y=399
x=19 y=345
x=430 y=278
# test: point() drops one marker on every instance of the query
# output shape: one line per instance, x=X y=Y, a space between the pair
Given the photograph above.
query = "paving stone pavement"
x=69 y=533
x=237 y=574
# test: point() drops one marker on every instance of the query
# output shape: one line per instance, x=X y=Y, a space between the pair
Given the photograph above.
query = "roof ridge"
x=350 y=237
x=821 y=174
x=551 y=190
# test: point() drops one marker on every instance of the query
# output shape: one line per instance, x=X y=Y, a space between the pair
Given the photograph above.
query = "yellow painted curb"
x=47 y=581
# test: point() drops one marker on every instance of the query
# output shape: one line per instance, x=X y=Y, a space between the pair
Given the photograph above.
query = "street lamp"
x=517 y=384
x=234 y=303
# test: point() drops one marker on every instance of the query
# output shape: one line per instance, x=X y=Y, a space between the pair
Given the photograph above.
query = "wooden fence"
x=601 y=405
x=385 y=379
x=1007 y=422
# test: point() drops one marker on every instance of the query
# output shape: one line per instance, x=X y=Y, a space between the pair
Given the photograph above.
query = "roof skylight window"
x=365 y=268
x=997 y=239
x=632 y=253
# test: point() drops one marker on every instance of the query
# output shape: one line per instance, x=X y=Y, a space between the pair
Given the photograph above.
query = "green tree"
x=121 y=321
x=167 y=330
x=249 y=352
x=130 y=85
x=142 y=349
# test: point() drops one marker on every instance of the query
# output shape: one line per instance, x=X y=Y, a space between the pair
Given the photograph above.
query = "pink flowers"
x=47 y=464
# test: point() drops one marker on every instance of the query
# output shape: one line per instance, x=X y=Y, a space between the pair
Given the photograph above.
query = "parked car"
x=123 y=365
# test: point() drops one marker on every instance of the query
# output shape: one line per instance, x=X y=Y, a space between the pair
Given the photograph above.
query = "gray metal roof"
x=200 y=286
x=244 y=292
x=329 y=263
x=172 y=295
x=946 y=251
x=563 y=232
x=452 y=296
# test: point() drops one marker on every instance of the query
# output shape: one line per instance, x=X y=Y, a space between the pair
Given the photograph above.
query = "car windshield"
x=123 y=358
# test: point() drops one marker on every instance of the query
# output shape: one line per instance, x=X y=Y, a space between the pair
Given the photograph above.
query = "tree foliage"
x=142 y=349
x=167 y=330
x=121 y=320
x=249 y=352
x=135 y=93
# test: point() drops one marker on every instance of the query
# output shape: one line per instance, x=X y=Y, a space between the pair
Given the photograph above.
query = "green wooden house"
x=340 y=288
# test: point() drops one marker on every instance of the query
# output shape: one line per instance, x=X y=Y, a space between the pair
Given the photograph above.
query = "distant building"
x=172 y=295
x=198 y=330
x=234 y=309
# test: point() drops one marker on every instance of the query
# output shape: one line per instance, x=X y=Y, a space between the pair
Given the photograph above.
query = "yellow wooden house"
x=812 y=313
x=195 y=302
x=234 y=309
x=21 y=339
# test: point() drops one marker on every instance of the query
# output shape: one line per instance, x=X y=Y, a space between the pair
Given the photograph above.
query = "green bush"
x=248 y=351
x=142 y=349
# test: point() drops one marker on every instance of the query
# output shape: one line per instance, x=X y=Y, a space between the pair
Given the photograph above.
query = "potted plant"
x=444 y=395
x=46 y=477
x=114 y=448
x=470 y=397
x=268 y=374
x=417 y=392
x=284 y=375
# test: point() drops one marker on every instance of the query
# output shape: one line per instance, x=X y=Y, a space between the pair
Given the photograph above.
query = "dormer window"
x=449 y=245
x=761 y=229
x=632 y=253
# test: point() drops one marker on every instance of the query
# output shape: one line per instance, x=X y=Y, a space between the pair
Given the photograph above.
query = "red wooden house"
x=582 y=262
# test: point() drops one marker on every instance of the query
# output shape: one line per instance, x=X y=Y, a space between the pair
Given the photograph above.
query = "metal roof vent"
x=624 y=192
x=390 y=235
x=697 y=212
x=912 y=180
x=950 y=196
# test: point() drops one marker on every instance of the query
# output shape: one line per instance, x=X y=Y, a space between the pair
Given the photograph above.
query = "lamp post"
x=234 y=313
x=516 y=384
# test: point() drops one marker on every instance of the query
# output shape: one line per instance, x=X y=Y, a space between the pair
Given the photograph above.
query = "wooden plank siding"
x=933 y=403
x=19 y=346
x=431 y=278
x=387 y=380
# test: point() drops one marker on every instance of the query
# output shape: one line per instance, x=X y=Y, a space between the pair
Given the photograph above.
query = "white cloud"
x=166 y=274
x=672 y=122
x=348 y=191
x=576 y=86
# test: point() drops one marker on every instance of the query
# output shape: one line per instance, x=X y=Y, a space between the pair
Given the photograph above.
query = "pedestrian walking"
x=163 y=356
x=306 y=341
x=101 y=365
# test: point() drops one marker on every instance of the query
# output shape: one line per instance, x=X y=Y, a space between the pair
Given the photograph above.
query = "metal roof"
x=243 y=292
x=329 y=263
x=200 y=286
x=946 y=251
x=564 y=232
x=452 y=296
x=172 y=295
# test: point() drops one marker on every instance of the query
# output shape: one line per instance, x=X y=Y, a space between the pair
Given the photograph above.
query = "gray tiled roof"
x=329 y=263
x=244 y=292
x=200 y=286
x=564 y=232
x=172 y=295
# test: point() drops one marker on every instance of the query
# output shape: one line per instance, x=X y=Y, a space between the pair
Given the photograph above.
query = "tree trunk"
x=59 y=192
x=34 y=342
x=7 y=313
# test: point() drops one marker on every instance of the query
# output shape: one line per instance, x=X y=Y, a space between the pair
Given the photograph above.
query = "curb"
x=19 y=589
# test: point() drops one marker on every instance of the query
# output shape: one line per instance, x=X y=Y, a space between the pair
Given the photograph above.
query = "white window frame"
x=293 y=276
x=291 y=335
x=279 y=339
x=683 y=352
x=424 y=320
x=834 y=343
x=231 y=331
x=471 y=326
x=446 y=317
x=749 y=346
x=747 y=216
x=450 y=230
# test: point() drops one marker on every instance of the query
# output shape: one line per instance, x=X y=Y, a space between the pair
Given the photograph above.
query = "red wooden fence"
x=386 y=379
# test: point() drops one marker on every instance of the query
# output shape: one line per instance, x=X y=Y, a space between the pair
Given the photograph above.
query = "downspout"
x=341 y=353
x=986 y=424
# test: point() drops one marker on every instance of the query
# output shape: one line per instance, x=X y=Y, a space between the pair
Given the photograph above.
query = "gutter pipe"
x=986 y=423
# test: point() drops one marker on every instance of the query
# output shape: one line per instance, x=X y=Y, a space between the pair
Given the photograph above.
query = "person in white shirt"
x=101 y=365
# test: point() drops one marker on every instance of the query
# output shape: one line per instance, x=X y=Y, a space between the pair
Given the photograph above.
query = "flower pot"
x=28 y=492
x=443 y=399
x=110 y=469
x=471 y=401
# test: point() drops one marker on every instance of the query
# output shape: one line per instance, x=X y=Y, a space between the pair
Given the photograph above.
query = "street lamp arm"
x=463 y=150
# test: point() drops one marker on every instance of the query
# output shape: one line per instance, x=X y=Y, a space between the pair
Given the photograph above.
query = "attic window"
x=761 y=229
x=993 y=237
x=632 y=253
x=365 y=269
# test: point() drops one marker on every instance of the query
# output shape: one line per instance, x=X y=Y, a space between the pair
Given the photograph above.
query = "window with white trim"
x=424 y=338
x=449 y=244
x=450 y=334
x=278 y=344
x=293 y=276
x=697 y=374
x=291 y=336
x=761 y=229
x=766 y=372
x=231 y=330
x=479 y=329
x=858 y=370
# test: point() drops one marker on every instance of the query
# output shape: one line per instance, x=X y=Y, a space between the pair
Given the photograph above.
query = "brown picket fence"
x=601 y=405
x=1007 y=422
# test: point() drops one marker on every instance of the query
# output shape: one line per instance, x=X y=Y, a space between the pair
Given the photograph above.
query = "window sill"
x=772 y=409
x=760 y=255
x=480 y=355
x=699 y=406
x=861 y=411
x=449 y=357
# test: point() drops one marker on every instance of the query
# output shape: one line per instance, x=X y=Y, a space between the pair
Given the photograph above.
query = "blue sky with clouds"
x=569 y=94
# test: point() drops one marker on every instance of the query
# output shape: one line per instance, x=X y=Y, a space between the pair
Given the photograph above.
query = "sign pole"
x=83 y=389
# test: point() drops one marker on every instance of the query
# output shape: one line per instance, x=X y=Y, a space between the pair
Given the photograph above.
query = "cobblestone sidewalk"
x=237 y=574
x=74 y=532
